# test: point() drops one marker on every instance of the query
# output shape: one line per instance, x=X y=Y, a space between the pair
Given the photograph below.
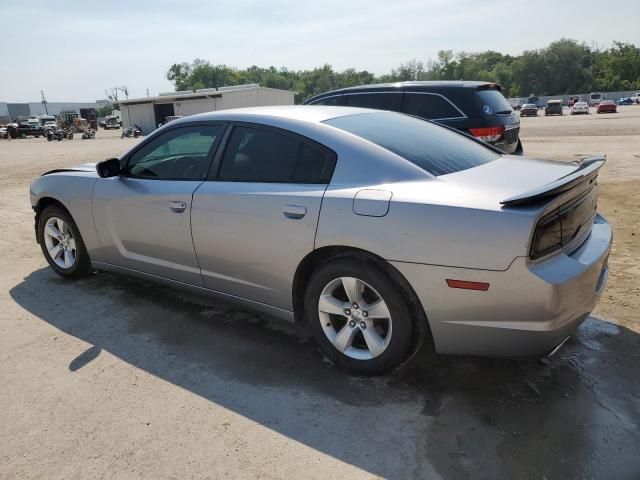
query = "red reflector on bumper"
x=468 y=285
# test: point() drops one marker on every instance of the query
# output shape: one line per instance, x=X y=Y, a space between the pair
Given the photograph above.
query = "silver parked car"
x=374 y=229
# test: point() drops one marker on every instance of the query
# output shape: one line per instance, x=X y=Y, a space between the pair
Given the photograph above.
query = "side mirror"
x=108 y=168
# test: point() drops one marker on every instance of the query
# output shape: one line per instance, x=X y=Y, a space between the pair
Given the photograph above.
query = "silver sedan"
x=378 y=231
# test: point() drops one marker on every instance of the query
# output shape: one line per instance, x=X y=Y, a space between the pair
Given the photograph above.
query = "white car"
x=580 y=108
x=595 y=98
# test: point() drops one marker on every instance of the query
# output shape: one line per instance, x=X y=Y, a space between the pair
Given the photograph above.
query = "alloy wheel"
x=355 y=318
x=60 y=243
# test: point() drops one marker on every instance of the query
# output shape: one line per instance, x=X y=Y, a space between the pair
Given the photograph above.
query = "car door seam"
x=315 y=235
x=93 y=217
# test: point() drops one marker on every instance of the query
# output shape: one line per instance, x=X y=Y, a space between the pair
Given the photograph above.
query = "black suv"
x=475 y=108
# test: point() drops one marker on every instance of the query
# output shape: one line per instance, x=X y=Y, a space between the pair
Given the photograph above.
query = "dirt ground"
x=111 y=377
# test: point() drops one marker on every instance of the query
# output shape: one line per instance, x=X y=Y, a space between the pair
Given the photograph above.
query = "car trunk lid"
x=513 y=181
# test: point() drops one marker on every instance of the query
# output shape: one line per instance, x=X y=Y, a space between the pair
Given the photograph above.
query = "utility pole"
x=44 y=102
x=147 y=93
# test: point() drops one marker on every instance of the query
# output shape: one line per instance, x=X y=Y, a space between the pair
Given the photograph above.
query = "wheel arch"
x=322 y=255
x=42 y=203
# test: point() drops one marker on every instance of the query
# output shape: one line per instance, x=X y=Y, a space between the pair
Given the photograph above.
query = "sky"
x=74 y=50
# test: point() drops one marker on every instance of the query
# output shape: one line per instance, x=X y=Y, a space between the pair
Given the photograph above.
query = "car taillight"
x=548 y=236
x=488 y=134
x=562 y=226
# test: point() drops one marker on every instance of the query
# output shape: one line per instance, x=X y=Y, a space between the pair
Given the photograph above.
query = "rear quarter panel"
x=418 y=232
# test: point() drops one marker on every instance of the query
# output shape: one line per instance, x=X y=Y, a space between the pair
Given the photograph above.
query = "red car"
x=607 y=106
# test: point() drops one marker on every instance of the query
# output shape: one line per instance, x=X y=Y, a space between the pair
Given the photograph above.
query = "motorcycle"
x=89 y=134
x=68 y=134
x=54 y=134
x=134 y=132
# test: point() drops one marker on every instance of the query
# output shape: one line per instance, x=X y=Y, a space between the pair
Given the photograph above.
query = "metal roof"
x=197 y=95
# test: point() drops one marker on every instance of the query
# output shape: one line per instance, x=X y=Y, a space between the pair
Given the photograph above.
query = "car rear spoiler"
x=587 y=171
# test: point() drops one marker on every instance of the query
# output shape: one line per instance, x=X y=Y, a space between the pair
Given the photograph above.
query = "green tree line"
x=564 y=66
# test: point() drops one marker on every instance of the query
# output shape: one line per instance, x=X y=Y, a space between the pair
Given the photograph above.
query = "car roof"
x=304 y=113
x=422 y=84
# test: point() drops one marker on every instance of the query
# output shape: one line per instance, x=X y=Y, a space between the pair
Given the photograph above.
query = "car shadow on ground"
x=574 y=416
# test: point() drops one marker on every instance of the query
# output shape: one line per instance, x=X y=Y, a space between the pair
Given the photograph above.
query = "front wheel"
x=358 y=317
x=62 y=244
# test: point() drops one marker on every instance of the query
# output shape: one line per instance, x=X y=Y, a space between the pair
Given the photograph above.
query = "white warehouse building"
x=147 y=113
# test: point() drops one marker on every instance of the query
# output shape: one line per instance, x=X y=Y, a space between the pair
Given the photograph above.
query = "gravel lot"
x=110 y=377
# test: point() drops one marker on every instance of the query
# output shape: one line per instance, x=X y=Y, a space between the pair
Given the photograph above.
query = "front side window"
x=379 y=101
x=428 y=106
x=256 y=155
x=179 y=154
x=431 y=147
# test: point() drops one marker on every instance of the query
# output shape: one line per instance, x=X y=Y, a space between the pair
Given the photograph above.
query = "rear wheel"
x=358 y=317
x=62 y=244
x=519 y=150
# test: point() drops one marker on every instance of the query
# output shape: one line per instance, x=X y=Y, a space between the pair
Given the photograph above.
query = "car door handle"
x=294 y=211
x=177 y=207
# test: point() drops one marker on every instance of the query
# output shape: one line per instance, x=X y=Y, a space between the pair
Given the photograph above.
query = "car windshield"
x=431 y=147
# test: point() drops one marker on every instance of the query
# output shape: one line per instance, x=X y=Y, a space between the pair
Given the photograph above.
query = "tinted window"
x=314 y=165
x=379 y=101
x=255 y=155
x=334 y=100
x=494 y=100
x=428 y=106
x=179 y=154
x=433 y=148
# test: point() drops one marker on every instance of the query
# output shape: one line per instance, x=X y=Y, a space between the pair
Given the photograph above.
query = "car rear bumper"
x=527 y=310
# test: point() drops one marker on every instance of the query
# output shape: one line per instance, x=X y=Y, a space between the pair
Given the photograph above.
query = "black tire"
x=82 y=265
x=519 y=150
x=401 y=339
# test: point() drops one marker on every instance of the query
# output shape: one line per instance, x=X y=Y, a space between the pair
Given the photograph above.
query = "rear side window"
x=428 y=106
x=334 y=100
x=492 y=102
x=379 y=101
x=433 y=148
x=256 y=155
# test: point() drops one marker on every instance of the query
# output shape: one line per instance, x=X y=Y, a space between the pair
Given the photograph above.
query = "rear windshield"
x=431 y=147
x=495 y=102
